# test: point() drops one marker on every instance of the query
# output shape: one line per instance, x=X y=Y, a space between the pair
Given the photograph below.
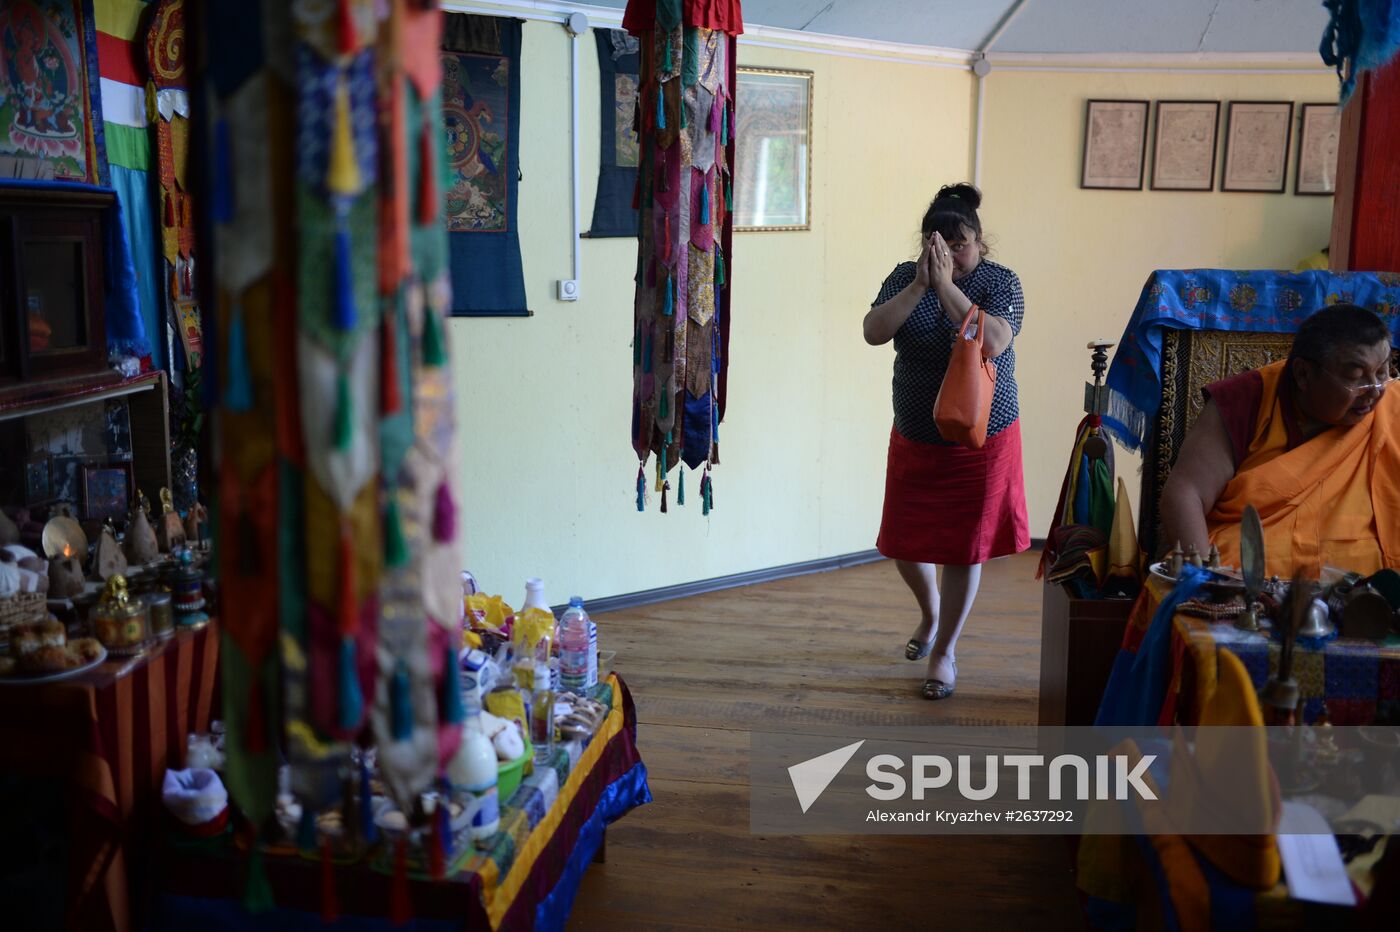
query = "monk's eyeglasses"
x=1362 y=388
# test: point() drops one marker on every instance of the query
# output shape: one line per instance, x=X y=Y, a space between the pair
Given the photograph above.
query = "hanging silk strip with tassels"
x=684 y=123
x=1361 y=35
x=339 y=533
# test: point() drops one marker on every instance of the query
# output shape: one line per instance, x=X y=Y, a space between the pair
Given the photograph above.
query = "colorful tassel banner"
x=238 y=391
x=454 y=710
x=444 y=515
x=400 y=704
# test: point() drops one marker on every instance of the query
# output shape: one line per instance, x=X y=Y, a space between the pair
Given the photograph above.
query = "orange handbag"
x=964 y=402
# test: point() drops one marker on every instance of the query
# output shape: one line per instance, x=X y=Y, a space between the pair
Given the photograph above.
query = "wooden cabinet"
x=1079 y=639
x=52 y=317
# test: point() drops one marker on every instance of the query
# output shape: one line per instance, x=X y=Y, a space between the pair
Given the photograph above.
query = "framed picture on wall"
x=1183 y=149
x=38 y=479
x=1317 y=149
x=1256 y=145
x=107 y=491
x=773 y=150
x=1115 y=144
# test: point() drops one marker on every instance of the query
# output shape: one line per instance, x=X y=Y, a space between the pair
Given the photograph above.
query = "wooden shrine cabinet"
x=52 y=319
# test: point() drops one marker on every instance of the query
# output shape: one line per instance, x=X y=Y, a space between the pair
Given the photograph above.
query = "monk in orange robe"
x=1313 y=443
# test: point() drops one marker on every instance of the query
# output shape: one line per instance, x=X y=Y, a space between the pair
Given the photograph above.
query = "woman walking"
x=947 y=505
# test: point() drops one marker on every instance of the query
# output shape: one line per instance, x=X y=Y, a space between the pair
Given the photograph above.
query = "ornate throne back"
x=1191 y=360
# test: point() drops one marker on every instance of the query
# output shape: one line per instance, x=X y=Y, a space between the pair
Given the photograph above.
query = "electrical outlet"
x=568 y=289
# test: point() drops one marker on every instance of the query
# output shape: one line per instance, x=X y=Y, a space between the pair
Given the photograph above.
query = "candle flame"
x=67 y=550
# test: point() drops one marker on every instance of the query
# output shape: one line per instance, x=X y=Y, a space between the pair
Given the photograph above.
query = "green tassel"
x=729 y=196
x=344 y=413
x=664 y=409
x=680 y=487
x=670 y=306
x=666 y=60
x=395 y=545
x=719 y=267
x=724 y=126
x=434 y=354
x=257 y=896
x=684 y=119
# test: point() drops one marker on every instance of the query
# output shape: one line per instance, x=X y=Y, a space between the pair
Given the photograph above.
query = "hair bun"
x=963 y=191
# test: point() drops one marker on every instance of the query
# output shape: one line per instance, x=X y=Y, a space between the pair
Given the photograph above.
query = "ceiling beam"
x=1012 y=12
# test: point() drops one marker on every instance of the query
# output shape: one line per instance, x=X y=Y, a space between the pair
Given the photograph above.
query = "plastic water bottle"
x=573 y=647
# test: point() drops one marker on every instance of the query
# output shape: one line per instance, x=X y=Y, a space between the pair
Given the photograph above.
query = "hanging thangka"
x=339 y=535
x=685 y=192
x=481 y=117
x=50 y=92
x=619 y=62
x=168 y=113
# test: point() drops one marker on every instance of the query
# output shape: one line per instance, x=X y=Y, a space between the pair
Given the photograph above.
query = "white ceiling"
x=1056 y=26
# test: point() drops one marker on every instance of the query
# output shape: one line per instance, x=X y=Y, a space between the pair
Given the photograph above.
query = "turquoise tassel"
x=664 y=409
x=666 y=64
x=395 y=544
x=660 y=108
x=719 y=267
x=343 y=305
x=724 y=126
x=670 y=306
x=729 y=197
x=714 y=431
x=400 y=704
x=239 y=394
x=680 y=487
x=352 y=704
x=453 y=708
x=705 y=203
x=705 y=494
x=641 y=489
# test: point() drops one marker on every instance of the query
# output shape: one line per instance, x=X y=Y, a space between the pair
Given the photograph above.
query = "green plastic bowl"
x=509 y=774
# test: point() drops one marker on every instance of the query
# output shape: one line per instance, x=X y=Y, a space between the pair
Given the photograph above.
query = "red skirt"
x=952 y=505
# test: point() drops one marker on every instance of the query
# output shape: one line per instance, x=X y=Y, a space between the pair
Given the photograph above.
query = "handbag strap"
x=967 y=320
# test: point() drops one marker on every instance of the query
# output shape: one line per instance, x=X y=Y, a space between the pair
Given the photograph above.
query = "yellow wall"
x=1083 y=255
x=549 y=483
x=549 y=474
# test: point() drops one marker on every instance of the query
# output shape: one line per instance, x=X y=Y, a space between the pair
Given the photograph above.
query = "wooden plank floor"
x=802 y=654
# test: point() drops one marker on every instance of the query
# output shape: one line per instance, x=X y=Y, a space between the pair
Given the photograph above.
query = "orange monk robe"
x=1331 y=500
